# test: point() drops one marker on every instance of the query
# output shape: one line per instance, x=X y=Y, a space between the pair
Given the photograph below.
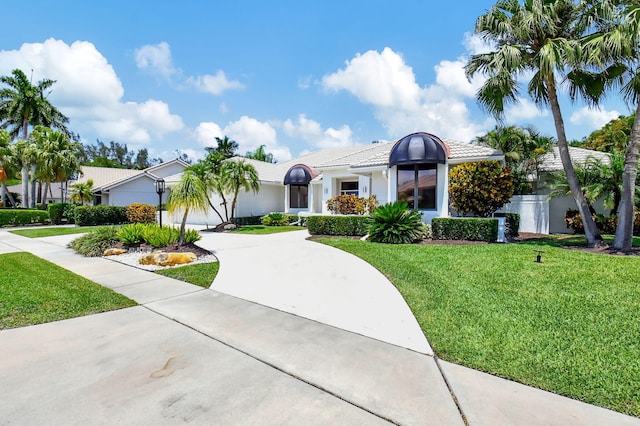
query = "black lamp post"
x=160 y=191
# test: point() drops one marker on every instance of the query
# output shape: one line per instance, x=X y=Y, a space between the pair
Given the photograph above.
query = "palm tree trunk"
x=591 y=232
x=25 y=186
x=44 y=197
x=6 y=194
x=32 y=200
x=215 y=210
x=233 y=204
x=624 y=231
x=183 y=225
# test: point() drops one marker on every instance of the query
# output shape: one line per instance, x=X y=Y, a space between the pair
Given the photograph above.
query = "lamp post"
x=160 y=191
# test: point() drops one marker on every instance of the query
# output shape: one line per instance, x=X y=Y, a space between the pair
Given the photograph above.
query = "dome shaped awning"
x=418 y=148
x=300 y=174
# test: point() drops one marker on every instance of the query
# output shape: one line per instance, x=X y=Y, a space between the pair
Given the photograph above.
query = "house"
x=414 y=169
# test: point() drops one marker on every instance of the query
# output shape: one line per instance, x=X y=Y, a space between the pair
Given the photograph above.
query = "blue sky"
x=296 y=76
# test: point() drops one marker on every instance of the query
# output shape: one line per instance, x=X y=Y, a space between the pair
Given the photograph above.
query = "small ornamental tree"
x=480 y=188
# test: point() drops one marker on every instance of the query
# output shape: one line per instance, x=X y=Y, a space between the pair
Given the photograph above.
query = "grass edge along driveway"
x=569 y=325
x=35 y=291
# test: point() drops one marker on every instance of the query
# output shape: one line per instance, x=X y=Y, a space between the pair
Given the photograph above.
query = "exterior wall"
x=379 y=187
x=534 y=212
x=140 y=190
x=168 y=170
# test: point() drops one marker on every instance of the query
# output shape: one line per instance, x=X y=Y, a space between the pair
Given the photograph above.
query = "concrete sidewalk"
x=206 y=357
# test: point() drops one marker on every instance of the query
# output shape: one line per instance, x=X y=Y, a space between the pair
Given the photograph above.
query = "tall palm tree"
x=539 y=37
x=24 y=154
x=261 y=154
x=57 y=157
x=6 y=166
x=188 y=194
x=206 y=175
x=619 y=44
x=225 y=146
x=23 y=104
x=238 y=175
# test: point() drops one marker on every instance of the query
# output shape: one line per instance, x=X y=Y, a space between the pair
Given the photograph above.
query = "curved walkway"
x=289 y=273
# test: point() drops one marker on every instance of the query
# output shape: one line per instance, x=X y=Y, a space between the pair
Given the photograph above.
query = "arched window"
x=298 y=178
x=417 y=157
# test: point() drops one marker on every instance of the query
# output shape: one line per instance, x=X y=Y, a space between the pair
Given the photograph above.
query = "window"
x=298 y=196
x=418 y=180
x=349 y=188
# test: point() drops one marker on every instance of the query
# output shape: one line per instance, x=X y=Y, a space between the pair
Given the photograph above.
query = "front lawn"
x=263 y=230
x=52 y=232
x=568 y=325
x=34 y=291
x=201 y=274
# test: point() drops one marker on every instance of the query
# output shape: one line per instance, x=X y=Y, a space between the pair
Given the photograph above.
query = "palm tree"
x=6 y=166
x=236 y=175
x=227 y=147
x=188 y=194
x=24 y=154
x=57 y=157
x=23 y=104
x=261 y=154
x=206 y=176
x=540 y=37
x=82 y=192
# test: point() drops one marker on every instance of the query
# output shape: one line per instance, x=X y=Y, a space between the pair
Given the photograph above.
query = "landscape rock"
x=113 y=251
x=162 y=258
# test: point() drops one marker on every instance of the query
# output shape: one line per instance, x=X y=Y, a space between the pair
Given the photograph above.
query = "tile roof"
x=102 y=176
x=579 y=156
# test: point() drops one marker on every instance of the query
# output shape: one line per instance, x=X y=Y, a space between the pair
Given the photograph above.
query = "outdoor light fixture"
x=160 y=190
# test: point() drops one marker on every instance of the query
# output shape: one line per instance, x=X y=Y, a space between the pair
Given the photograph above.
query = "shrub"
x=351 y=204
x=15 y=217
x=247 y=220
x=512 y=224
x=337 y=225
x=191 y=236
x=69 y=212
x=141 y=213
x=132 y=233
x=100 y=215
x=161 y=237
x=95 y=242
x=275 y=219
x=394 y=223
x=606 y=224
x=468 y=228
x=56 y=212
x=480 y=188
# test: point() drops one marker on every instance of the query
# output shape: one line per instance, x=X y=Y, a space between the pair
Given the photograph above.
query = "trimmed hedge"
x=56 y=212
x=512 y=224
x=100 y=215
x=247 y=220
x=338 y=225
x=465 y=228
x=15 y=217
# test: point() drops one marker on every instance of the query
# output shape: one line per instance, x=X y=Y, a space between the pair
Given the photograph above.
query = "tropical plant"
x=237 y=175
x=261 y=154
x=6 y=167
x=613 y=136
x=23 y=152
x=57 y=157
x=82 y=192
x=542 y=39
x=141 y=213
x=159 y=237
x=395 y=223
x=188 y=194
x=94 y=243
x=225 y=146
x=352 y=204
x=480 y=188
x=207 y=171
x=524 y=149
x=275 y=219
x=132 y=233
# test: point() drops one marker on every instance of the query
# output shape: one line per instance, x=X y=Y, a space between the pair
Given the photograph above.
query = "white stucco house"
x=415 y=169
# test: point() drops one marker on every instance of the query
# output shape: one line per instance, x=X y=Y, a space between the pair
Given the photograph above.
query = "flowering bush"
x=351 y=204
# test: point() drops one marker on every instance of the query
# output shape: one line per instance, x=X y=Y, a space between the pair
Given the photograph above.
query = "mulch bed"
x=173 y=248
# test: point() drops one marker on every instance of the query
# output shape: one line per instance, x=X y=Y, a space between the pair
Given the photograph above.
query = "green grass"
x=52 y=232
x=263 y=230
x=34 y=291
x=569 y=325
x=201 y=274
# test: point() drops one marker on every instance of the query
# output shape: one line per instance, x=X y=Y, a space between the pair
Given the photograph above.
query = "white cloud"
x=214 y=84
x=594 y=118
x=157 y=59
x=384 y=81
x=311 y=132
x=90 y=93
x=475 y=45
x=248 y=132
x=524 y=110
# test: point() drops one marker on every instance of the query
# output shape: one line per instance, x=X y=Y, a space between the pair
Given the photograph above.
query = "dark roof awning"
x=300 y=174
x=418 y=148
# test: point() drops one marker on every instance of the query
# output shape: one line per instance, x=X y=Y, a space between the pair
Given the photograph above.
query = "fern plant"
x=394 y=223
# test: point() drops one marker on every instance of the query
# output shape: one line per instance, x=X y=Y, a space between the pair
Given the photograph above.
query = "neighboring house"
x=414 y=169
x=542 y=215
x=117 y=187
